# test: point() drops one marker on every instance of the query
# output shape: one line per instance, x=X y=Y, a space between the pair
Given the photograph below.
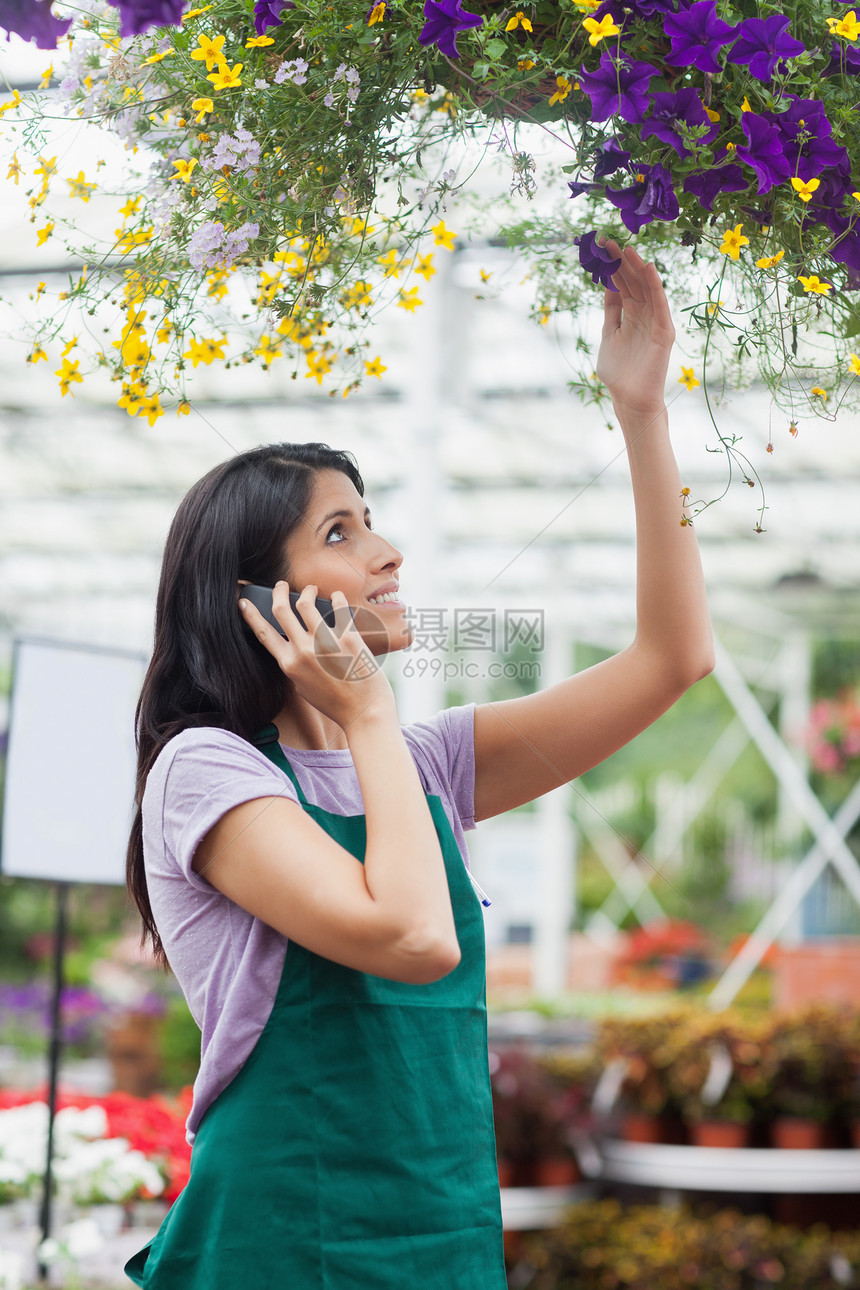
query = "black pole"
x=55 y=1045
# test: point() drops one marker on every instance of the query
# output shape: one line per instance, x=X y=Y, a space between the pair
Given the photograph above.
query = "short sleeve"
x=444 y=751
x=199 y=776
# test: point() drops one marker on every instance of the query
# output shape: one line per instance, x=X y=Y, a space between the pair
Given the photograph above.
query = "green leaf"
x=496 y=48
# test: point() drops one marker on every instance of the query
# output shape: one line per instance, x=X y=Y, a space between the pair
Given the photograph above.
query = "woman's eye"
x=338 y=528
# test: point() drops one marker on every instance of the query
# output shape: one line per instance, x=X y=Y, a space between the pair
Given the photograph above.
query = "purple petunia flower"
x=805 y=134
x=847 y=249
x=577 y=188
x=267 y=13
x=844 y=60
x=671 y=112
x=621 y=88
x=445 y=19
x=136 y=16
x=650 y=197
x=596 y=260
x=716 y=179
x=610 y=157
x=697 y=36
x=762 y=43
x=764 y=152
x=33 y=20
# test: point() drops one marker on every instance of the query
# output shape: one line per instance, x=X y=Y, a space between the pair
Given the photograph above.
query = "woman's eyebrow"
x=340 y=515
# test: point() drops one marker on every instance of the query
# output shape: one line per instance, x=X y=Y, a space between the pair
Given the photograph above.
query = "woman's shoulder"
x=205 y=755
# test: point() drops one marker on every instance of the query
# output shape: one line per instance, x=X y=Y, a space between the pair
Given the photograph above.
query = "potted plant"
x=641 y=1051
x=574 y=1077
x=663 y=955
x=808 y=1063
x=717 y=1077
x=529 y=1110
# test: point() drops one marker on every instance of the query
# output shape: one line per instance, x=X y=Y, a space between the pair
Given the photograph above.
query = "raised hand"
x=638 y=335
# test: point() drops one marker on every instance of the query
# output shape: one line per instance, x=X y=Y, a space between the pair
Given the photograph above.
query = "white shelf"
x=759 y=1170
x=532 y=1209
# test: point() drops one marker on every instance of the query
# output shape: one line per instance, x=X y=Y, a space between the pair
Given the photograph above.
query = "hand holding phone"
x=261 y=599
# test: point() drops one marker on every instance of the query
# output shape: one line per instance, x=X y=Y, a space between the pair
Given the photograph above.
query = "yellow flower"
x=814 y=284
x=375 y=368
x=409 y=300
x=150 y=407
x=46 y=77
x=227 y=77
x=128 y=239
x=846 y=26
x=195 y=13
x=769 y=261
x=163 y=333
x=258 y=42
x=10 y=103
x=80 y=188
x=391 y=263
x=519 y=20
x=745 y=106
x=210 y=51
x=133 y=396
x=711 y=114
x=687 y=378
x=425 y=266
x=14 y=171
x=562 y=89
x=44 y=233
x=69 y=346
x=855 y=364
x=201 y=107
x=525 y=64
x=184 y=407
x=818 y=393
x=597 y=30
x=268 y=350
x=67 y=374
x=377 y=13
x=131 y=207
x=805 y=188
x=184 y=169
x=443 y=236
x=715 y=306
x=205 y=351
x=157 y=58
x=485 y=277
x=733 y=240
x=37 y=353
x=318 y=365
x=357 y=296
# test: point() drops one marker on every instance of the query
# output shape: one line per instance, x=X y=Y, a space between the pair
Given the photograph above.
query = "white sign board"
x=71 y=761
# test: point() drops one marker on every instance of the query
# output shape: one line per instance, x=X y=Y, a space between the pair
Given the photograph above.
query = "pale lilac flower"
x=329 y=99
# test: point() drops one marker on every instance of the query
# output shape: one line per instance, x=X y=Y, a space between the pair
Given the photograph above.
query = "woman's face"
x=336 y=549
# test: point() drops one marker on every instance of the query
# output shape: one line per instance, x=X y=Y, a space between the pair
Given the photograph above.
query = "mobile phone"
x=261 y=598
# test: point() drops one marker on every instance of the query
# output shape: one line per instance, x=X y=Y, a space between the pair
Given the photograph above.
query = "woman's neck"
x=300 y=725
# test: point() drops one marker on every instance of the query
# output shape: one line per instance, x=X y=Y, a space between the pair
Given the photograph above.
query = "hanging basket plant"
x=290 y=165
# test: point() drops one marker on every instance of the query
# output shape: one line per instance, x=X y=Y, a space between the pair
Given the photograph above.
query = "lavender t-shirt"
x=227 y=962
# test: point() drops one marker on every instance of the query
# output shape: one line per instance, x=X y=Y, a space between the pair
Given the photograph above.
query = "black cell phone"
x=261 y=598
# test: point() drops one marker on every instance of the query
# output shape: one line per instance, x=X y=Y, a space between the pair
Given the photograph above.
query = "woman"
x=342 y=1118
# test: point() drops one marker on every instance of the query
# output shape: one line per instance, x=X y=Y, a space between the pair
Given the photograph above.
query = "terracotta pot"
x=720 y=1133
x=506 y=1171
x=790 y=1134
x=640 y=1126
x=556 y=1171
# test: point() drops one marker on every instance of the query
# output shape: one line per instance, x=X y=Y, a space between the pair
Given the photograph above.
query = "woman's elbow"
x=427 y=957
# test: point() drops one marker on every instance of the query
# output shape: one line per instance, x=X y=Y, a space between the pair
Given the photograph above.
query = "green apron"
x=354 y=1150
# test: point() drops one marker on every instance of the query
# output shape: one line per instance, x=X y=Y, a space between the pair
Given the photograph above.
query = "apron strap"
x=267 y=742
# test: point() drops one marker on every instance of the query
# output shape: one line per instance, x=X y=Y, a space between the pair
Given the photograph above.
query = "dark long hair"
x=207 y=668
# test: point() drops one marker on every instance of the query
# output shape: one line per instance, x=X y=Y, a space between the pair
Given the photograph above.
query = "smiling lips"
x=385 y=598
